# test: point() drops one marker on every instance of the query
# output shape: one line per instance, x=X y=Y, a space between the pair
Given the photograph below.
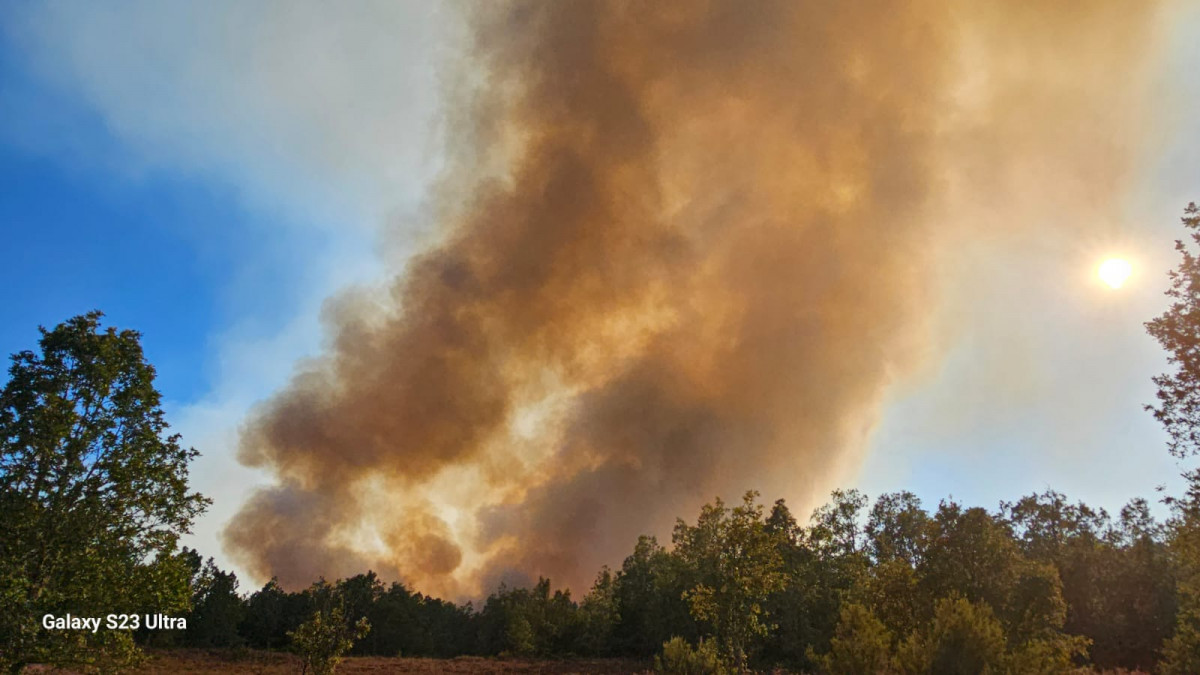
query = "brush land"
x=204 y=661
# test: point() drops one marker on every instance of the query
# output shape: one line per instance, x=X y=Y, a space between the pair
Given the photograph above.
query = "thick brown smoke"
x=693 y=252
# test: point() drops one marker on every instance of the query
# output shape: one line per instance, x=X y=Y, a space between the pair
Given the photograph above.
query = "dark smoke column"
x=698 y=254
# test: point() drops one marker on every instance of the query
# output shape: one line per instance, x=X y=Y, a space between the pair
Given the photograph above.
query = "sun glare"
x=1114 y=272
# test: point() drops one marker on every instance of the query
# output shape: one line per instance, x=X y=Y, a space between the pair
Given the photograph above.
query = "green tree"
x=823 y=564
x=271 y=613
x=861 y=645
x=972 y=554
x=598 y=614
x=964 y=638
x=94 y=496
x=1178 y=332
x=650 y=604
x=529 y=621
x=216 y=606
x=898 y=528
x=1182 y=651
x=737 y=566
x=323 y=640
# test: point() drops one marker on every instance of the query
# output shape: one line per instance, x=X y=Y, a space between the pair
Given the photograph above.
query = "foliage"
x=861 y=645
x=598 y=615
x=651 y=608
x=818 y=573
x=1178 y=332
x=529 y=621
x=963 y=637
x=217 y=608
x=94 y=495
x=898 y=529
x=840 y=608
x=737 y=566
x=1181 y=654
x=324 y=639
x=678 y=657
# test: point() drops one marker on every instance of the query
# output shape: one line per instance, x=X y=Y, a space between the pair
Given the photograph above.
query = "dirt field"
x=267 y=663
x=206 y=662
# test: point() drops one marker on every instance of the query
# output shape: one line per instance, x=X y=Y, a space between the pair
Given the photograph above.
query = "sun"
x=1114 y=272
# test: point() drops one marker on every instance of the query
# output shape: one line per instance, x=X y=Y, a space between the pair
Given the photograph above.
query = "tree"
x=529 y=621
x=271 y=613
x=324 y=639
x=216 y=606
x=963 y=637
x=598 y=614
x=1182 y=652
x=1178 y=332
x=971 y=554
x=822 y=564
x=861 y=645
x=650 y=604
x=94 y=496
x=737 y=566
x=897 y=528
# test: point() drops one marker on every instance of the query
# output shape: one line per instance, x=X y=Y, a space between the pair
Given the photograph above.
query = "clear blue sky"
x=214 y=208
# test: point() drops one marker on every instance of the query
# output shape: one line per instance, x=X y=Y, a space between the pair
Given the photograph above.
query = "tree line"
x=94 y=497
x=1039 y=585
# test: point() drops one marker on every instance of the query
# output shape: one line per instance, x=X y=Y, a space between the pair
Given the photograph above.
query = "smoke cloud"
x=684 y=249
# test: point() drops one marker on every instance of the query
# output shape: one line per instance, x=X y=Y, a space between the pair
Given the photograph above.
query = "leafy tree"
x=898 y=529
x=822 y=564
x=271 y=613
x=893 y=594
x=397 y=628
x=529 y=621
x=650 y=604
x=793 y=607
x=971 y=554
x=963 y=638
x=1178 y=332
x=324 y=639
x=1182 y=651
x=216 y=606
x=737 y=566
x=598 y=614
x=861 y=645
x=836 y=530
x=94 y=495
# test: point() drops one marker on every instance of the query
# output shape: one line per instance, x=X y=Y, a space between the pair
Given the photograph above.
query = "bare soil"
x=189 y=662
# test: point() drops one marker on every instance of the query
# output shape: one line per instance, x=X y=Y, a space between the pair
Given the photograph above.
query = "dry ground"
x=267 y=663
x=208 y=662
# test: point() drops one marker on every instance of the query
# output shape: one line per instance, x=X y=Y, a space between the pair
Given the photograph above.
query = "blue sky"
x=214 y=207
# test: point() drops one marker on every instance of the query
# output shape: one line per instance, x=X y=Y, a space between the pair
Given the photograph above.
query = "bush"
x=861 y=645
x=679 y=658
x=323 y=640
x=962 y=638
x=1049 y=655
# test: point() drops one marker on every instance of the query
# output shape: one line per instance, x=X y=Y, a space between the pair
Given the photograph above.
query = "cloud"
x=321 y=115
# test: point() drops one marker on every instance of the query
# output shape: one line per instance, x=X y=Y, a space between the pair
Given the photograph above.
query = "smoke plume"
x=683 y=250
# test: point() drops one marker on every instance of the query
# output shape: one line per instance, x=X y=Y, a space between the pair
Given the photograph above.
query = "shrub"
x=962 y=638
x=323 y=640
x=679 y=658
x=861 y=645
